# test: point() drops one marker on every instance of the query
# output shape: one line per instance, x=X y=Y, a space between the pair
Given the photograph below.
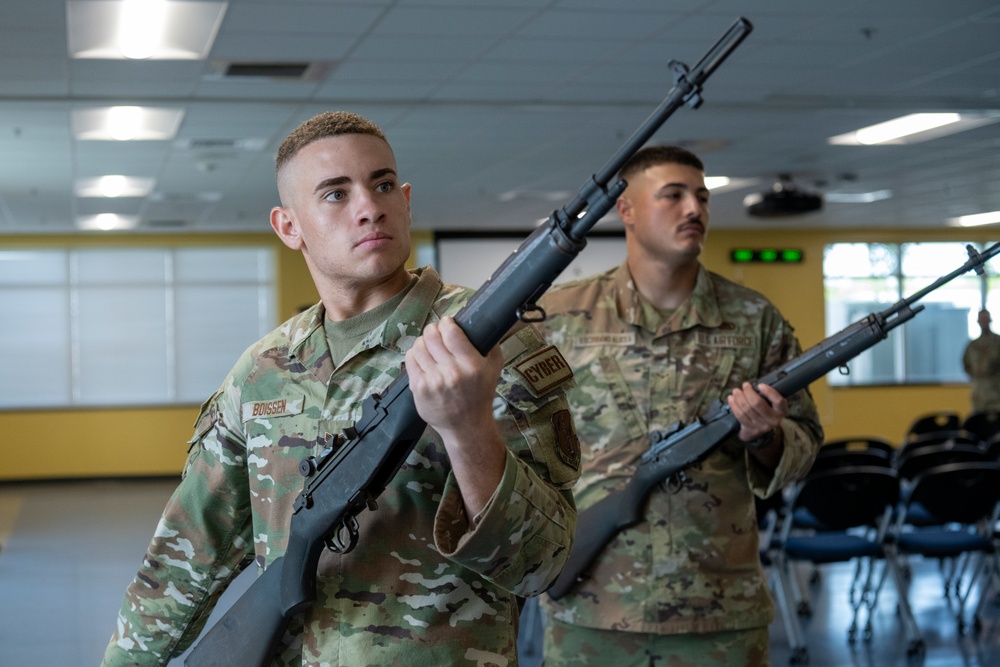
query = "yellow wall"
x=44 y=444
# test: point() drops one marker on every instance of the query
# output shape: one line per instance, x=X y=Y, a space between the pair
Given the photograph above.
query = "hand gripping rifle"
x=675 y=449
x=343 y=481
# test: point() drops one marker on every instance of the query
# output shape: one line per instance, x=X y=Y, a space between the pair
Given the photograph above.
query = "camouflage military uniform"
x=692 y=566
x=982 y=362
x=425 y=585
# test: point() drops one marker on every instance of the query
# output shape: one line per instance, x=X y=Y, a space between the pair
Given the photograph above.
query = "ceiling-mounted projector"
x=783 y=200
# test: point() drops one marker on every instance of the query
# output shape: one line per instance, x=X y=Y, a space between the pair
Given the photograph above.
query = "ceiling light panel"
x=125 y=123
x=114 y=185
x=913 y=128
x=142 y=29
x=989 y=218
x=106 y=222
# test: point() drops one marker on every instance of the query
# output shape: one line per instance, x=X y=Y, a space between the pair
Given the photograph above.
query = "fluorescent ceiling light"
x=126 y=123
x=149 y=29
x=856 y=197
x=990 y=218
x=719 y=184
x=913 y=128
x=140 y=27
x=114 y=185
x=106 y=222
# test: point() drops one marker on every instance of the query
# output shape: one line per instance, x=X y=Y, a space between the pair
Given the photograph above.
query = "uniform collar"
x=701 y=308
x=307 y=339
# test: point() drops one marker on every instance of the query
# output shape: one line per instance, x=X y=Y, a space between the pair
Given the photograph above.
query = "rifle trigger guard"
x=348 y=528
x=525 y=313
x=673 y=483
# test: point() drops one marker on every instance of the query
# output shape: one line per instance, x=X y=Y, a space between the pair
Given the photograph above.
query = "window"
x=864 y=278
x=137 y=326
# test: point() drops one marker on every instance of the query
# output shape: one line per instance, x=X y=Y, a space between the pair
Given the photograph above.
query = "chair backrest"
x=944 y=420
x=937 y=437
x=983 y=425
x=911 y=463
x=959 y=492
x=992 y=447
x=848 y=496
x=858 y=444
x=836 y=457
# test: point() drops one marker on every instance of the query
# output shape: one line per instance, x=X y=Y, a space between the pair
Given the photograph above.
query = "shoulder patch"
x=544 y=370
x=278 y=407
x=566 y=439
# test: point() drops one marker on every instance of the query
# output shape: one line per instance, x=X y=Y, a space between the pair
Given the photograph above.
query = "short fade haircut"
x=329 y=124
x=651 y=156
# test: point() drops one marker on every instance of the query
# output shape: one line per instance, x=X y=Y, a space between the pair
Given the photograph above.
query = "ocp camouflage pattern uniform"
x=423 y=586
x=981 y=361
x=692 y=565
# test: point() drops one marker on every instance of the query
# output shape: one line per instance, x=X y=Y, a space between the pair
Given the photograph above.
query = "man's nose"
x=367 y=207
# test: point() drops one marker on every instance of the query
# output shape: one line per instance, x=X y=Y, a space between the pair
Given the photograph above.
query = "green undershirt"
x=343 y=336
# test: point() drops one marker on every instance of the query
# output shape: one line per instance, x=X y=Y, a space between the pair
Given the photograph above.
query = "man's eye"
x=384 y=187
x=336 y=195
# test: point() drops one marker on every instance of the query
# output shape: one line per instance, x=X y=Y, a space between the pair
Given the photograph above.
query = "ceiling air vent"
x=277 y=71
x=221 y=144
x=268 y=70
x=166 y=224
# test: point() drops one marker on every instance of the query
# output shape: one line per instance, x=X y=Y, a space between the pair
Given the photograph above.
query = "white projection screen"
x=470 y=261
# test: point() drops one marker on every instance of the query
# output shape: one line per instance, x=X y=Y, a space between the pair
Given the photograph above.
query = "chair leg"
x=991 y=581
x=914 y=639
x=871 y=599
x=963 y=596
x=798 y=592
x=782 y=575
x=858 y=593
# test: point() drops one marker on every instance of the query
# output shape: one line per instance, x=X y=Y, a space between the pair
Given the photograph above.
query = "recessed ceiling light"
x=126 y=123
x=857 y=197
x=990 y=218
x=720 y=184
x=114 y=185
x=147 y=29
x=913 y=128
x=106 y=222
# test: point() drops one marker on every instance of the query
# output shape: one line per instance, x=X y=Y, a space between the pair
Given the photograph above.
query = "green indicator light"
x=768 y=255
x=791 y=255
x=742 y=255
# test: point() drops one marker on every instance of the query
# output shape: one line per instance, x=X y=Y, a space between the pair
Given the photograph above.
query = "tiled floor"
x=69 y=550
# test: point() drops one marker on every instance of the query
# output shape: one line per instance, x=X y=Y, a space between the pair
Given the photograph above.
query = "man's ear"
x=285 y=227
x=624 y=207
x=405 y=187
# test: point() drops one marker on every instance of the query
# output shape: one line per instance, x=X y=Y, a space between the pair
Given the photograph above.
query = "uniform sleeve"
x=522 y=538
x=801 y=430
x=201 y=544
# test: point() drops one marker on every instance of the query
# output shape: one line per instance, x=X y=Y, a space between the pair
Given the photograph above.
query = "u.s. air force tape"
x=544 y=370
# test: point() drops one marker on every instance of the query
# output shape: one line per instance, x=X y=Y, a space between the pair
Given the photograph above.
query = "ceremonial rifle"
x=343 y=481
x=673 y=450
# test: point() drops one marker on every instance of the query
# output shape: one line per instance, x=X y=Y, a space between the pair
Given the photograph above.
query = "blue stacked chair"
x=963 y=500
x=852 y=506
x=985 y=425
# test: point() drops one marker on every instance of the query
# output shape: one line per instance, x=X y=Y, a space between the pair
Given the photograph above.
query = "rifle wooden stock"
x=673 y=451
x=343 y=482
